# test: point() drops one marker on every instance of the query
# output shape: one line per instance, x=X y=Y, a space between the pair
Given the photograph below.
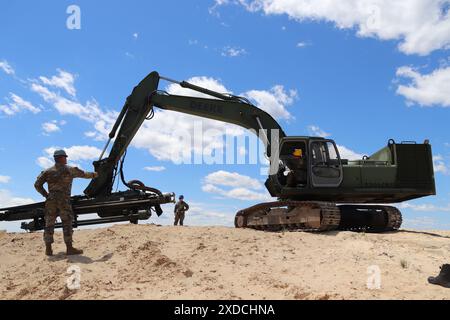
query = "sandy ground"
x=160 y=262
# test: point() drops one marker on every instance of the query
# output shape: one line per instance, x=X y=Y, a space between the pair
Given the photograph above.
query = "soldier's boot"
x=443 y=279
x=48 y=249
x=71 y=251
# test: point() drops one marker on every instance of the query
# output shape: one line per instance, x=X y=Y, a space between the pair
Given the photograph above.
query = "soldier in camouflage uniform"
x=180 y=209
x=59 y=180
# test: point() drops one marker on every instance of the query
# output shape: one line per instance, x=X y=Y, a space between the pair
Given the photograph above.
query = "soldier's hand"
x=95 y=174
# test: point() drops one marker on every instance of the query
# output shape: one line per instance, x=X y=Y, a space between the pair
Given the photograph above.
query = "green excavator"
x=316 y=189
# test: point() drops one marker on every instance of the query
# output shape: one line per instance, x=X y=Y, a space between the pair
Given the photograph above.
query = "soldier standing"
x=180 y=209
x=59 y=180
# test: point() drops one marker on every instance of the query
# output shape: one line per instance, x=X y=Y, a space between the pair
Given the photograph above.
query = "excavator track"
x=369 y=218
x=318 y=217
x=290 y=215
x=395 y=218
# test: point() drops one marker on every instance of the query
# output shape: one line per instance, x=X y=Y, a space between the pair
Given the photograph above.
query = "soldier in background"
x=59 y=180
x=180 y=209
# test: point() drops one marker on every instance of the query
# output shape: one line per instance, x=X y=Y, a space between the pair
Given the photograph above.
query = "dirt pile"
x=154 y=262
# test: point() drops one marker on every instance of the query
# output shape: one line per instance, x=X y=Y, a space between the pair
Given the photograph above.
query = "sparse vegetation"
x=404 y=264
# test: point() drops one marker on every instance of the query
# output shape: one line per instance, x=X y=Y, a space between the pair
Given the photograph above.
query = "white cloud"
x=64 y=80
x=23 y=104
x=5 y=179
x=74 y=153
x=249 y=195
x=440 y=165
x=233 y=51
x=7 y=199
x=155 y=169
x=425 y=89
x=302 y=44
x=50 y=127
x=135 y=35
x=241 y=186
x=7 y=110
x=232 y=179
x=157 y=136
x=17 y=104
x=348 y=154
x=206 y=214
x=237 y=193
x=273 y=101
x=421 y=26
x=344 y=152
x=160 y=137
x=213 y=10
x=421 y=223
x=44 y=162
x=316 y=131
x=90 y=112
x=102 y=119
x=426 y=207
x=6 y=67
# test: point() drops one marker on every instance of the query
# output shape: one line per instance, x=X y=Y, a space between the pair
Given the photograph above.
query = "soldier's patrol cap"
x=59 y=153
x=181 y=197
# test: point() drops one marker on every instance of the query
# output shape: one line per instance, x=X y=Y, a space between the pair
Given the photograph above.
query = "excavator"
x=316 y=189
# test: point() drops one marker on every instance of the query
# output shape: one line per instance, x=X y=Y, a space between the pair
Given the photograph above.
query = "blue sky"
x=360 y=72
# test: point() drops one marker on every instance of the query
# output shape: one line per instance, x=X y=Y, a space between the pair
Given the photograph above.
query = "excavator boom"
x=145 y=96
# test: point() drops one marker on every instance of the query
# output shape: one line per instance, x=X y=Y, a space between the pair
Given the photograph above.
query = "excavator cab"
x=309 y=162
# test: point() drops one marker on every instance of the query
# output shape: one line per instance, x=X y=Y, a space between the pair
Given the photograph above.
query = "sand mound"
x=154 y=262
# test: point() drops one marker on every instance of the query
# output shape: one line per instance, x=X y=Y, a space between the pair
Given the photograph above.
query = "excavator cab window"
x=325 y=164
x=293 y=169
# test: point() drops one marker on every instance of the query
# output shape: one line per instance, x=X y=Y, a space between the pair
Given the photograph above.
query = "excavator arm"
x=130 y=119
x=226 y=108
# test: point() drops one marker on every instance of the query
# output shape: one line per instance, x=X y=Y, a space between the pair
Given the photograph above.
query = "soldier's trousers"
x=53 y=209
x=179 y=217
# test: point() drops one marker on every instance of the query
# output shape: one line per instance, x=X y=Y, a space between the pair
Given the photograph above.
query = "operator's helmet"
x=181 y=197
x=59 y=153
x=298 y=153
